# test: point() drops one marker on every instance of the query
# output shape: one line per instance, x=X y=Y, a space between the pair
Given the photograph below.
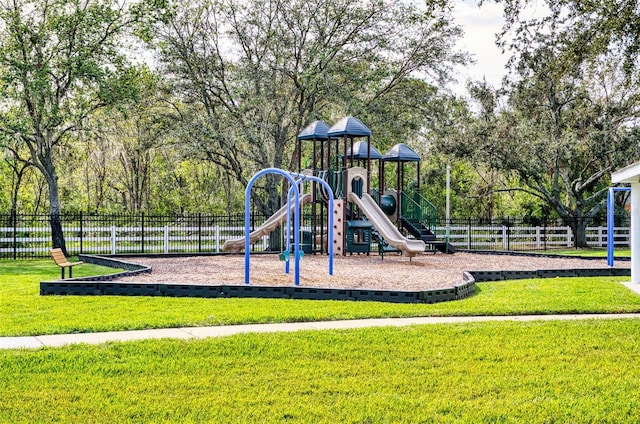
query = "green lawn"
x=30 y=270
x=492 y=372
x=594 y=253
x=501 y=372
x=25 y=312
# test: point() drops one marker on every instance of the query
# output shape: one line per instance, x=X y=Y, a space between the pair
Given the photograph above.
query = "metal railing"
x=29 y=236
x=516 y=235
x=418 y=208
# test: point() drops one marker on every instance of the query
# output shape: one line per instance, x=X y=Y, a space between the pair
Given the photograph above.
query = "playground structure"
x=397 y=219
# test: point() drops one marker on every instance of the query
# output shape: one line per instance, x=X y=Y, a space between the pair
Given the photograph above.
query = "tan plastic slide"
x=385 y=227
x=274 y=221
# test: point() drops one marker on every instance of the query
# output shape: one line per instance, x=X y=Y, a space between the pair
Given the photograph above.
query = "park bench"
x=62 y=261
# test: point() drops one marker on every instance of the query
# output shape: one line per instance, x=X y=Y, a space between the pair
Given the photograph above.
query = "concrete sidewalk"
x=32 y=342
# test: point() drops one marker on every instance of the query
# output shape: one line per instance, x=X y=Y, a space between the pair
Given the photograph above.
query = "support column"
x=635 y=233
x=338 y=227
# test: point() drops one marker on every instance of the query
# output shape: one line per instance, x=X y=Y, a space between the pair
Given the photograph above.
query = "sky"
x=481 y=24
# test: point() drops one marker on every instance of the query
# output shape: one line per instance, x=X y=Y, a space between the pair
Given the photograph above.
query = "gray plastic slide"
x=385 y=227
x=274 y=221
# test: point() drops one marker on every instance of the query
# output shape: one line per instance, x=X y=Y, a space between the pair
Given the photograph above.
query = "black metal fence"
x=512 y=234
x=29 y=236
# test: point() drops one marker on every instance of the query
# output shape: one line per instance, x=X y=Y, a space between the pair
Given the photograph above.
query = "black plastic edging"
x=480 y=276
x=101 y=285
x=115 y=288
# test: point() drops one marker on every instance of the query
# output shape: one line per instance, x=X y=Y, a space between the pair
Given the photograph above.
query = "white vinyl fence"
x=27 y=241
x=526 y=238
x=122 y=240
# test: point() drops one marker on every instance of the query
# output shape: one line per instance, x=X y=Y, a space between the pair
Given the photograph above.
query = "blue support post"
x=610 y=221
x=287 y=232
x=610 y=207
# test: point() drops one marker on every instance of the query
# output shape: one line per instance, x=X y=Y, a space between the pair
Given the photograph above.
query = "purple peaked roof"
x=360 y=151
x=316 y=130
x=349 y=126
x=401 y=153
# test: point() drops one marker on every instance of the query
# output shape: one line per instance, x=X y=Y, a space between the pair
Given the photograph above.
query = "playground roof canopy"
x=349 y=126
x=360 y=151
x=401 y=153
x=628 y=174
x=316 y=130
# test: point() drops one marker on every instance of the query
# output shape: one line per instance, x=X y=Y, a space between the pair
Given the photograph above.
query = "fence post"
x=81 y=232
x=469 y=233
x=600 y=236
x=568 y=236
x=113 y=239
x=166 y=239
x=15 y=235
x=504 y=237
x=217 y=239
x=538 y=237
x=199 y=232
x=142 y=231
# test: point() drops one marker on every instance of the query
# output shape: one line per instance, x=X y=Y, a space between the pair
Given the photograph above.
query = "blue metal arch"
x=330 y=218
x=294 y=179
x=247 y=229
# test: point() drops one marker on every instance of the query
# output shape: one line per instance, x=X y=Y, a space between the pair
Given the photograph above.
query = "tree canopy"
x=571 y=112
x=59 y=62
x=584 y=30
x=258 y=71
x=219 y=89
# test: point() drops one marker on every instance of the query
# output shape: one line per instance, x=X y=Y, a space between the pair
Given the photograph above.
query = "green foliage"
x=24 y=312
x=255 y=73
x=125 y=149
x=232 y=83
x=586 y=31
x=491 y=372
x=60 y=61
x=558 y=139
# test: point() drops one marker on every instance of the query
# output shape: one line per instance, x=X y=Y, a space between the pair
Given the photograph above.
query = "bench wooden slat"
x=63 y=262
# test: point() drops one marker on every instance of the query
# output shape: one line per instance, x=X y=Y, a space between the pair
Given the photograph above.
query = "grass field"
x=593 y=253
x=492 y=372
x=504 y=372
x=25 y=312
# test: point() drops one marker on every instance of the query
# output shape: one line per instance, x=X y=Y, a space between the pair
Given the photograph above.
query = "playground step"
x=415 y=228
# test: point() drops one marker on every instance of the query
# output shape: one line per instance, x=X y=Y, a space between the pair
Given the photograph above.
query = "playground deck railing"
x=417 y=207
x=29 y=236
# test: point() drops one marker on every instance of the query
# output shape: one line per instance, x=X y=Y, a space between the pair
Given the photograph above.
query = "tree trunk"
x=16 y=191
x=580 y=233
x=57 y=235
x=578 y=227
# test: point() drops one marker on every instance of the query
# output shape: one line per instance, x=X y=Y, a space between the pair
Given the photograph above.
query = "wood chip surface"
x=394 y=272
